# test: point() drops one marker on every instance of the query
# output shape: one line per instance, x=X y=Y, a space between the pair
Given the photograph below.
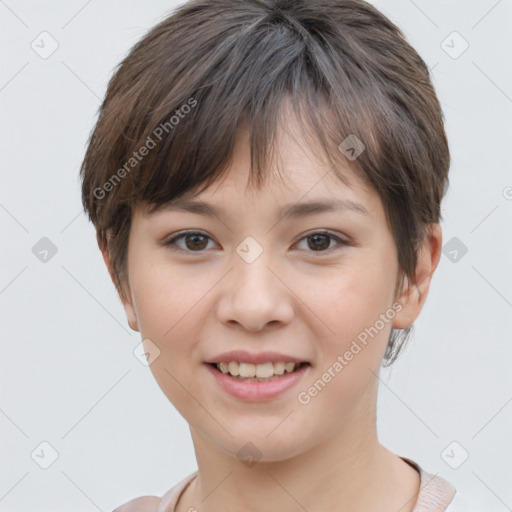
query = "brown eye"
x=194 y=242
x=321 y=241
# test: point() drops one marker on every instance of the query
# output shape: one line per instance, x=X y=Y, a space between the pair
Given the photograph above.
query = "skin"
x=324 y=455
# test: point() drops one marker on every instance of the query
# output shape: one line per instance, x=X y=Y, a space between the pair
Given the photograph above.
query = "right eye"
x=195 y=241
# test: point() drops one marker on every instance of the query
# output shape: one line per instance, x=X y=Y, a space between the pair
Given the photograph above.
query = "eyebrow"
x=294 y=210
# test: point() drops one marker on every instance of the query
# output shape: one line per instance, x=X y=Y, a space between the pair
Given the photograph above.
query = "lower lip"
x=258 y=391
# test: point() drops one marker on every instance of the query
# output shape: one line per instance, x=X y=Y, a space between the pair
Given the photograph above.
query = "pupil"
x=316 y=238
x=194 y=245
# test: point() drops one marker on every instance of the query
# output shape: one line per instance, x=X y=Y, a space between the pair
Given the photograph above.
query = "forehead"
x=296 y=173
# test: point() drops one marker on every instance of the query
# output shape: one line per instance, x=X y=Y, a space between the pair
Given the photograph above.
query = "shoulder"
x=435 y=493
x=154 y=504
x=141 y=504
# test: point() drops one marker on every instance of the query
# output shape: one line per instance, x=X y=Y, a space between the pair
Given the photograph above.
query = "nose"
x=255 y=296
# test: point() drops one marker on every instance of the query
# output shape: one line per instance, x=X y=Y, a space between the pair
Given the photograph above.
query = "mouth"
x=267 y=377
x=263 y=372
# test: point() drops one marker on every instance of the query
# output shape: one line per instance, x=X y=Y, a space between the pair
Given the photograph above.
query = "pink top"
x=435 y=495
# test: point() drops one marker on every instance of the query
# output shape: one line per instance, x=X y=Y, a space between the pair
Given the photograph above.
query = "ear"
x=413 y=295
x=127 y=302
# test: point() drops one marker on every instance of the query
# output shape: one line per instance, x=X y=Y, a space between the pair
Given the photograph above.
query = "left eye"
x=196 y=241
x=320 y=241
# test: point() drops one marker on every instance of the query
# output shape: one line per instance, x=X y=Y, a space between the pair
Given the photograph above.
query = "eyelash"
x=172 y=242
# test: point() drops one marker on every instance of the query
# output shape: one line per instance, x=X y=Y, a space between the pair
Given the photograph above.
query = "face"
x=315 y=287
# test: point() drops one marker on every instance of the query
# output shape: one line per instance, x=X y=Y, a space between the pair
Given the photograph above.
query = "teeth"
x=247 y=370
x=289 y=367
x=223 y=367
x=260 y=371
x=279 y=368
x=233 y=368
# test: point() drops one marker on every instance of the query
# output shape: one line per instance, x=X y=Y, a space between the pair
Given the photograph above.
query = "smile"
x=257 y=372
x=257 y=382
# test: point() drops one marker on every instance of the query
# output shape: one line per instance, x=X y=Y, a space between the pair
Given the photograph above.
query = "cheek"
x=351 y=299
x=344 y=379
x=163 y=297
x=170 y=306
x=354 y=305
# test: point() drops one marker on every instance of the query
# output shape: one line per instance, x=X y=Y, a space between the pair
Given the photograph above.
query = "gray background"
x=68 y=374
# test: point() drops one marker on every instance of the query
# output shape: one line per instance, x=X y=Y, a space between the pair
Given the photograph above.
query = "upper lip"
x=242 y=356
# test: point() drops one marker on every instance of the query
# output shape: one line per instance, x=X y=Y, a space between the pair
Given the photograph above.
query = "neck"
x=350 y=471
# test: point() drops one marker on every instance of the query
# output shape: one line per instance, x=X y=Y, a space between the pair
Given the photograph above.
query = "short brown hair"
x=215 y=66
